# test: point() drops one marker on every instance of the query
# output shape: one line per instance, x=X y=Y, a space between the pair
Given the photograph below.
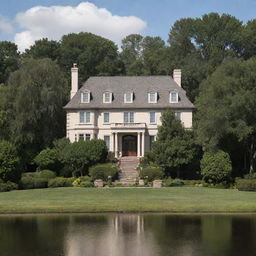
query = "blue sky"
x=153 y=17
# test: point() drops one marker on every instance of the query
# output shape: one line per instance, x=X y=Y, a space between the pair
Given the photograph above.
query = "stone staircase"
x=128 y=173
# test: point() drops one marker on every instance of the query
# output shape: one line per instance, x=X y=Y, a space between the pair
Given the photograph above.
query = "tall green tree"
x=9 y=59
x=94 y=55
x=38 y=91
x=174 y=146
x=43 y=48
x=225 y=108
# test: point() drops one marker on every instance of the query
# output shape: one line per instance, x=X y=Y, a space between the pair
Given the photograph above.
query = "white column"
x=138 y=144
x=116 y=144
x=143 y=144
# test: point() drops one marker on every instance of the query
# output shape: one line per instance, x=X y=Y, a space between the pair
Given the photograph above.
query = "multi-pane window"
x=174 y=97
x=85 y=97
x=85 y=117
x=128 y=117
x=107 y=141
x=177 y=115
x=151 y=140
x=107 y=97
x=128 y=97
x=152 y=117
x=106 y=118
x=84 y=136
x=152 y=97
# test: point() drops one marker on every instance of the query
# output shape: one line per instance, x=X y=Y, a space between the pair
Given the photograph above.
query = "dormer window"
x=152 y=97
x=174 y=97
x=107 y=97
x=128 y=97
x=85 y=97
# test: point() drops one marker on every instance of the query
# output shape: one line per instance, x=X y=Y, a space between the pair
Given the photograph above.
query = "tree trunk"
x=252 y=158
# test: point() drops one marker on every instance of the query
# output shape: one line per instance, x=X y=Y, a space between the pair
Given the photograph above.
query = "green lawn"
x=179 y=199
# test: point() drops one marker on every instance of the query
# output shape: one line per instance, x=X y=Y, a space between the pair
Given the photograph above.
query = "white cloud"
x=55 y=21
x=5 y=25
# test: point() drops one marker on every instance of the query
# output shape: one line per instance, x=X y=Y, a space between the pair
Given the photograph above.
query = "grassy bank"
x=179 y=199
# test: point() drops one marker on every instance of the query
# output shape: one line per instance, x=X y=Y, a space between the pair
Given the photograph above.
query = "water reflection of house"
x=119 y=235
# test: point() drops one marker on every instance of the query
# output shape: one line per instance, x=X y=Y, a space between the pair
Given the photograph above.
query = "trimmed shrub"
x=47 y=159
x=87 y=184
x=103 y=171
x=4 y=187
x=173 y=183
x=80 y=180
x=151 y=173
x=216 y=167
x=246 y=184
x=47 y=174
x=250 y=176
x=60 y=182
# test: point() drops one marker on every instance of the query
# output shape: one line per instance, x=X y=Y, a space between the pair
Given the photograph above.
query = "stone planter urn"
x=98 y=183
x=141 y=182
x=157 y=183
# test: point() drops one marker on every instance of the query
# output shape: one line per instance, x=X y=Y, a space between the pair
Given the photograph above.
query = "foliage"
x=60 y=182
x=246 y=184
x=43 y=48
x=104 y=172
x=216 y=167
x=80 y=180
x=79 y=156
x=9 y=59
x=250 y=176
x=94 y=55
x=225 y=110
x=48 y=159
x=46 y=174
x=8 y=186
x=173 y=183
x=38 y=91
x=174 y=146
x=151 y=173
x=9 y=162
x=111 y=157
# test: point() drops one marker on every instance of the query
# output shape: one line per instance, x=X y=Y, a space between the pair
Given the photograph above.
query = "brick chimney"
x=177 y=76
x=74 y=80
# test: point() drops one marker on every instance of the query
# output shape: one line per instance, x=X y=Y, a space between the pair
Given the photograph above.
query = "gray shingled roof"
x=139 y=85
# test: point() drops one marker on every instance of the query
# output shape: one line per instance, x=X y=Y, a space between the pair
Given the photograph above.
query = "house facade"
x=124 y=111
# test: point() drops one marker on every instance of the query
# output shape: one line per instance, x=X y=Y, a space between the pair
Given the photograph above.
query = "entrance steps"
x=128 y=173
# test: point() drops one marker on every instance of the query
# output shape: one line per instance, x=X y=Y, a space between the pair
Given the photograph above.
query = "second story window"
x=107 y=97
x=174 y=97
x=85 y=97
x=152 y=97
x=106 y=118
x=152 y=117
x=128 y=97
x=128 y=117
x=85 y=117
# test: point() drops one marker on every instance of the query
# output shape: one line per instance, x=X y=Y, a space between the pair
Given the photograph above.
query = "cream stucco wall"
x=97 y=129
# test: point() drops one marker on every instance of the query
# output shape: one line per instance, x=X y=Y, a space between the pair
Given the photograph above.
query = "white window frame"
x=177 y=115
x=82 y=97
x=104 y=117
x=125 y=97
x=176 y=99
x=86 y=118
x=108 y=138
x=129 y=115
x=149 y=98
x=110 y=97
x=150 y=121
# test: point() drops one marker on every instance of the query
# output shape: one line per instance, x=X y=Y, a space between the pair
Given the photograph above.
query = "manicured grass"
x=178 y=199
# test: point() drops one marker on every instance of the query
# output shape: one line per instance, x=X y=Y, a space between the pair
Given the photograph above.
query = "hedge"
x=60 y=182
x=104 y=171
x=151 y=173
x=246 y=184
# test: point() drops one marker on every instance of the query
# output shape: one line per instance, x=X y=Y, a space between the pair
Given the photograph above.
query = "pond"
x=128 y=234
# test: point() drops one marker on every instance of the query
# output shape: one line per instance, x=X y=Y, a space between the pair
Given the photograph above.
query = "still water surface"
x=125 y=235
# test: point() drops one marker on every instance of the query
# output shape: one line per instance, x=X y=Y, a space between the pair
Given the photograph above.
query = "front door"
x=129 y=144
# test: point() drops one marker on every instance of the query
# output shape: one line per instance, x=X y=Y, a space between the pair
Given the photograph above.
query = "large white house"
x=124 y=111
